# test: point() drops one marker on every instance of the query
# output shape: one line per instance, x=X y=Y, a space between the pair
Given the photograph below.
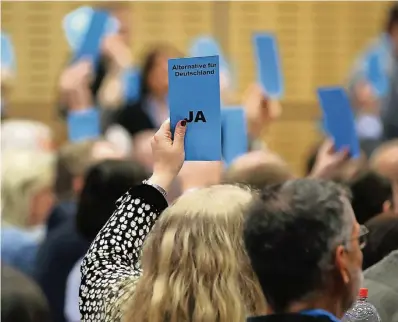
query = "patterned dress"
x=111 y=267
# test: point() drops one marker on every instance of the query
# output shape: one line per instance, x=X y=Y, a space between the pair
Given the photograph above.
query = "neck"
x=323 y=302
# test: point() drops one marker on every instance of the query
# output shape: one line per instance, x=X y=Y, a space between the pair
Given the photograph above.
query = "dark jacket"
x=135 y=118
x=390 y=107
x=291 y=317
x=58 y=254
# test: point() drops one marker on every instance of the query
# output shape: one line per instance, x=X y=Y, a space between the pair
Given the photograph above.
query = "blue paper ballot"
x=376 y=75
x=208 y=46
x=132 y=84
x=7 y=52
x=268 y=64
x=194 y=95
x=234 y=133
x=339 y=119
x=83 y=125
x=91 y=45
x=77 y=22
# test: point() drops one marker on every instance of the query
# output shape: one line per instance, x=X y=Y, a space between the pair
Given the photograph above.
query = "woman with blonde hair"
x=27 y=179
x=194 y=264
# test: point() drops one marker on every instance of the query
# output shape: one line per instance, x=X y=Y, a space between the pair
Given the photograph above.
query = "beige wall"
x=318 y=41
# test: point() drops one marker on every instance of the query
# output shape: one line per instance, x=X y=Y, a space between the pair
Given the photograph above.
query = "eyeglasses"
x=362 y=237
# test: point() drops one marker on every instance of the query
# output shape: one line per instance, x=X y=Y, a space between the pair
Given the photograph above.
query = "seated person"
x=21 y=299
x=310 y=222
x=27 y=197
x=72 y=162
x=104 y=183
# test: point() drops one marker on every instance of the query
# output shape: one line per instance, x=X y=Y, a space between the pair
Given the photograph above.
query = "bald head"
x=384 y=160
x=258 y=169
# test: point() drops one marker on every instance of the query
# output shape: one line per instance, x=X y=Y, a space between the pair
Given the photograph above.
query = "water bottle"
x=362 y=311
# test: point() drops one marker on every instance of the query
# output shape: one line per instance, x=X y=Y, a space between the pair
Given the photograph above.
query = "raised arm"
x=111 y=266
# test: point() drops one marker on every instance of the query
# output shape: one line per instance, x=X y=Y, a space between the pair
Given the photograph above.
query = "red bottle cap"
x=363 y=292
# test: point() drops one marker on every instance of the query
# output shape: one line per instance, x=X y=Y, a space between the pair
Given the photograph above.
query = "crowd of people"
x=121 y=228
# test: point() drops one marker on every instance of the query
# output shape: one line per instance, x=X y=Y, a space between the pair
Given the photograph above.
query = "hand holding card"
x=194 y=96
x=339 y=119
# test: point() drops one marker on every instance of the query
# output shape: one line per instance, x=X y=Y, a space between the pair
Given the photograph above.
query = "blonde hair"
x=23 y=174
x=194 y=264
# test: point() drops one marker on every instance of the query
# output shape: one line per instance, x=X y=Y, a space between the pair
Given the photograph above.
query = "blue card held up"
x=132 y=84
x=91 y=44
x=83 y=125
x=339 y=119
x=376 y=75
x=7 y=52
x=77 y=22
x=208 y=46
x=234 y=133
x=268 y=64
x=194 y=95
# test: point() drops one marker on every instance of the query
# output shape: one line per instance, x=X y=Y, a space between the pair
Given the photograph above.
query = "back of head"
x=291 y=234
x=258 y=169
x=382 y=239
x=105 y=183
x=23 y=174
x=384 y=160
x=392 y=18
x=74 y=159
x=21 y=299
x=25 y=135
x=370 y=191
x=194 y=263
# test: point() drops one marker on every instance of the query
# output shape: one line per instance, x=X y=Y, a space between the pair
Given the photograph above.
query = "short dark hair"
x=73 y=159
x=382 y=239
x=290 y=233
x=21 y=298
x=369 y=192
x=392 y=19
x=105 y=183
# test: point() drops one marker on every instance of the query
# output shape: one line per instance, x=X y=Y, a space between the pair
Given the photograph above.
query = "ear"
x=341 y=262
x=386 y=206
x=77 y=184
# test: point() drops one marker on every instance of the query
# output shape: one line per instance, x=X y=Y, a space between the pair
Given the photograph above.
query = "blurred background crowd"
x=57 y=194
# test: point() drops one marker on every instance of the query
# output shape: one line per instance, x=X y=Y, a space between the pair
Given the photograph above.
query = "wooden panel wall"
x=318 y=41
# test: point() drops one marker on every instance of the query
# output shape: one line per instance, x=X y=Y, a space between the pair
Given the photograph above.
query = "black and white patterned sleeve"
x=113 y=256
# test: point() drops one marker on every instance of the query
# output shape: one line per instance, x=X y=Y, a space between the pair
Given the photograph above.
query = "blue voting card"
x=235 y=139
x=83 y=125
x=376 y=75
x=77 y=22
x=91 y=44
x=269 y=69
x=132 y=84
x=208 y=46
x=339 y=119
x=194 y=95
x=7 y=52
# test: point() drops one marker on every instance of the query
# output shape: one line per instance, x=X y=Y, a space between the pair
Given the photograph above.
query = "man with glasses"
x=305 y=244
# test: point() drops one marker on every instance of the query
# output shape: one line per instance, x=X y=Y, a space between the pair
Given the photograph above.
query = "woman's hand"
x=168 y=154
x=328 y=161
x=75 y=86
x=114 y=47
x=260 y=109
